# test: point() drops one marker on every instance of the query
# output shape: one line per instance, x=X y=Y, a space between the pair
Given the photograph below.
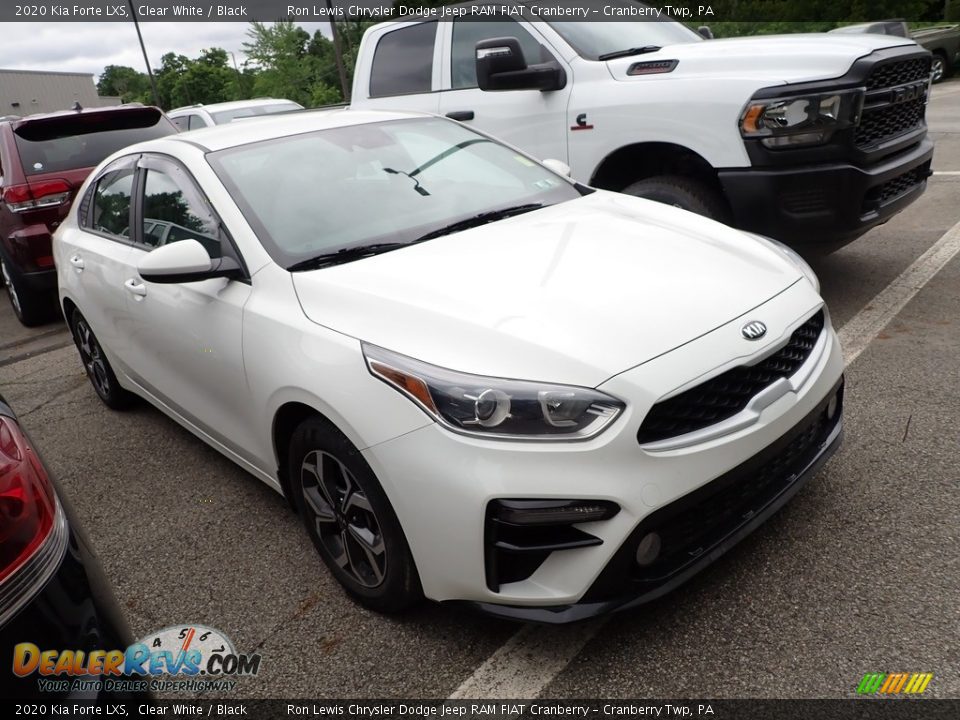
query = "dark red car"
x=44 y=160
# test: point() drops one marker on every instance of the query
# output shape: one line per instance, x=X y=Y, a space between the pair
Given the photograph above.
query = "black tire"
x=682 y=192
x=941 y=69
x=323 y=465
x=98 y=368
x=31 y=307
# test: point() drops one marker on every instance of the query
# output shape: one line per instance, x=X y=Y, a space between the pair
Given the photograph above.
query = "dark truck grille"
x=695 y=524
x=895 y=103
x=895 y=189
x=727 y=394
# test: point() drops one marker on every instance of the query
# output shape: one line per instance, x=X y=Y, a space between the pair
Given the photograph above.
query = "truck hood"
x=574 y=293
x=786 y=58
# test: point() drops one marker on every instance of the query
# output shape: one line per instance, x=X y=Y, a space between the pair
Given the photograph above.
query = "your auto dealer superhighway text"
x=495 y=709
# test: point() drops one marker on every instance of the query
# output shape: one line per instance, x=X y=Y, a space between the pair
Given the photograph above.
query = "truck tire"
x=32 y=308
x=940 y=70
x=682 y=192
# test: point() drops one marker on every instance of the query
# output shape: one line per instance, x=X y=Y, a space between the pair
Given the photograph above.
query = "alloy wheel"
x=937 y=69
x=92 y=357
x=343 y=518
x=11 y=290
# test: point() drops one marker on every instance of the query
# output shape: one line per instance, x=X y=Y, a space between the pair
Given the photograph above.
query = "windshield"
x=225 y=116
x=591 y=38
x=387 y=182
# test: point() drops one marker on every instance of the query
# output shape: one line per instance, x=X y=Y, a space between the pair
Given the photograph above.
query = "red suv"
x=44 y=160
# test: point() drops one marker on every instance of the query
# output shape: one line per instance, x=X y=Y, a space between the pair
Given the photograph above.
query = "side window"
x=196 y=122
x=110 y=204
x=403 y=61
x=174 y=210
x=180 y=122
x=466 y=35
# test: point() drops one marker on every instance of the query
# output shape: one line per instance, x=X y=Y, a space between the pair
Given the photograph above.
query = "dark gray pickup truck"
x=943 y=41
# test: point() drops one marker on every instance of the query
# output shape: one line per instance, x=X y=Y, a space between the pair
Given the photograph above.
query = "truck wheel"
x=682 y=192
x=940 y=69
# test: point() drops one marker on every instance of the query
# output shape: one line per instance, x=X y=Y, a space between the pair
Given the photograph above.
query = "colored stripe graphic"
x=894 y=683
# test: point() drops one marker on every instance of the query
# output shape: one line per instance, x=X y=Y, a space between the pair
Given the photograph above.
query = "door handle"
x=460 y=115
x=136 y=288
x=77 y=261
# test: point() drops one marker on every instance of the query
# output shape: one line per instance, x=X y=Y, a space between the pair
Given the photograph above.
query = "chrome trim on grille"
x=759 y=402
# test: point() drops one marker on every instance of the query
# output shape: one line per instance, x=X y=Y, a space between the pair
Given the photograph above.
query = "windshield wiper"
x=629 y=52
x=481 y=219
x=344 y=255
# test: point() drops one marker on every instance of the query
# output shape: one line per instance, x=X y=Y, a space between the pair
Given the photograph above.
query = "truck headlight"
x=801 y=120
x=495 y=407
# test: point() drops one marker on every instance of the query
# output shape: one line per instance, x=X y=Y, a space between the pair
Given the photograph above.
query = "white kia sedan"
x=474 y=379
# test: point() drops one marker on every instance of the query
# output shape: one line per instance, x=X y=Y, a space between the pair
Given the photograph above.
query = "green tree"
x=123 y=81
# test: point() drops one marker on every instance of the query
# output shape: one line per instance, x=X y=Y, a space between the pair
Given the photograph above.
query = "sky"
x=90 y=47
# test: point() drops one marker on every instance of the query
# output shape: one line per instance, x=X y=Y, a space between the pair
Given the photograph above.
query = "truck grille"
x=730 y=392
x=898 y=73
x=896 y=101
x=890 y=121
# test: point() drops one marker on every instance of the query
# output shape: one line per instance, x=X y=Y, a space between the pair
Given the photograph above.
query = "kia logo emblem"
x=753 y=330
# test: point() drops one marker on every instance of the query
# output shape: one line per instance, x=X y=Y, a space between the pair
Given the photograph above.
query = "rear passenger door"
x=94 y=257
x=404 y=73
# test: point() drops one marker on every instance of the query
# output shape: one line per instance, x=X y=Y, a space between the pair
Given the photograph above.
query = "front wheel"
x=940 y=68
x=350 y=520
x=683 y=192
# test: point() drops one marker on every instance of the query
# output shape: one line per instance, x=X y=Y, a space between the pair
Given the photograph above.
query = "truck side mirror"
x=501 y=66
x=705 y=32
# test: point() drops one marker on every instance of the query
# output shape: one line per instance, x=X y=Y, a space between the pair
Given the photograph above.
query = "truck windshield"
x=591 y=38
x=380 y=185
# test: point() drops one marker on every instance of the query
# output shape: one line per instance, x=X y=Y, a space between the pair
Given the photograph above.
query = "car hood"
x=574 y=293
x=795 y=58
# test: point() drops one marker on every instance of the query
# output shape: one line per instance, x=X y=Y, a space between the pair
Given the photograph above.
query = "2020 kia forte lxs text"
x=475 y=379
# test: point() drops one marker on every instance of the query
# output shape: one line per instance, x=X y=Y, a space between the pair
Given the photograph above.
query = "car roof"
x=234 y=105
x=221 y=137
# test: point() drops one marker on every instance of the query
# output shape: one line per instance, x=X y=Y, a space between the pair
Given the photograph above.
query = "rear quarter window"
x=72 y=142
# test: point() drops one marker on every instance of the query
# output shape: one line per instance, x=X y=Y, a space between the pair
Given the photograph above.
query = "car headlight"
x=802 y=120
x=495 y=407
x=794 y=258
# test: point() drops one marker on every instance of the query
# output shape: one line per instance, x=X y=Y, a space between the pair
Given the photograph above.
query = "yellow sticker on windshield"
x=524 y=161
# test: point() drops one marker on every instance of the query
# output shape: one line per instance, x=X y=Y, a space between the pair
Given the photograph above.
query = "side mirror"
x=500 y=66
x=184 y=261
x=558 y=166
x=705 y=32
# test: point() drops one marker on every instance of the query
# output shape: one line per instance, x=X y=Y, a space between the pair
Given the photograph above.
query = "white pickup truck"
x=810 y=139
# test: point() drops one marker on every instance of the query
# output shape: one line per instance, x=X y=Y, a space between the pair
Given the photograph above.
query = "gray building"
x=25 y=92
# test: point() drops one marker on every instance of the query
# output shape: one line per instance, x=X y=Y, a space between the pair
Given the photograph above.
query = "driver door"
x=185 y=338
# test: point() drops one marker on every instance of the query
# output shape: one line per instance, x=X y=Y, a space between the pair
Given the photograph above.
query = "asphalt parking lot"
x=859 y=573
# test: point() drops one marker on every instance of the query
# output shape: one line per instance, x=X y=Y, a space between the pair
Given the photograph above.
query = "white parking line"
x=536 y=654
x=946 y=172
x=863 y=327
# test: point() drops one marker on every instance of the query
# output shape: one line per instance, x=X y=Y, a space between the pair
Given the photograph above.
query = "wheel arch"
x=286 y=420
x=639 y=161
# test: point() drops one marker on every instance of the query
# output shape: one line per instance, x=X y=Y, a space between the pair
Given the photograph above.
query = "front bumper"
x=441 y=484
x=827 y=204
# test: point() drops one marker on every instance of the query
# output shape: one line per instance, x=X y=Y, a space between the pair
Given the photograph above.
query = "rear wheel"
x=98 y=368
x=31 y=307
x=682 y=192
x=349 y=518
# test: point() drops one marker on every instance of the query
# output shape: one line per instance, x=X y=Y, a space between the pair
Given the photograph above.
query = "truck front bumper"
x=828 y=205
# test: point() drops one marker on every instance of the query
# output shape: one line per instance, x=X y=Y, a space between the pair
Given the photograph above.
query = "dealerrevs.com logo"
x=179 y=658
